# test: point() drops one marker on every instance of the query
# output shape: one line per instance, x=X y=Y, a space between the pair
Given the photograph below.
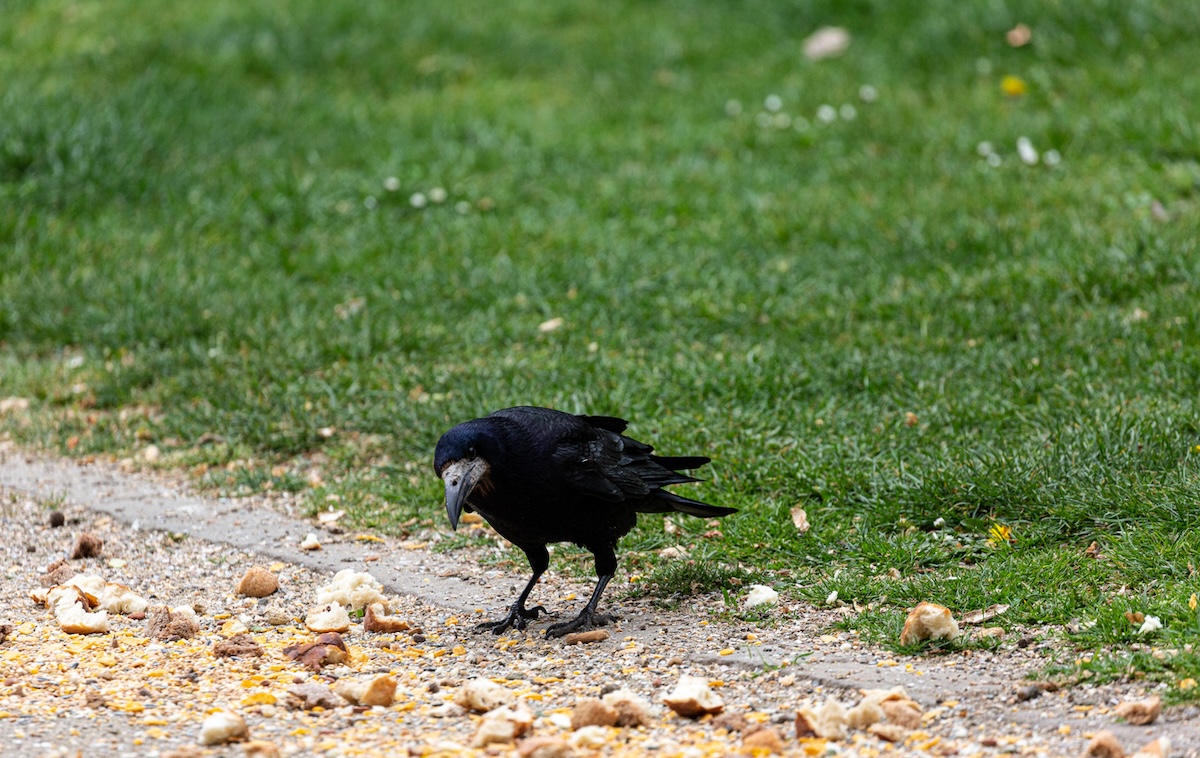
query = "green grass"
x=206 y=228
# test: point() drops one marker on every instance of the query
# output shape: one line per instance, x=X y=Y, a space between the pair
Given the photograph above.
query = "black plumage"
x=541 y=476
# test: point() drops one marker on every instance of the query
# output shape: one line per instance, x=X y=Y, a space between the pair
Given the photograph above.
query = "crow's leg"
x=539 y=560
x=606 y=566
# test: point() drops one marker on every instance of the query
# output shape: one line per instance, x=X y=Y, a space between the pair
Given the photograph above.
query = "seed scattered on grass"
x=1151 y=625
x=928 y=621
x=1019 y=35
x=1026 y=151
x=826 y=42
x=978 y=617
x=674 y=553
x=800 y=519
x=761 y=594
x=13 y=405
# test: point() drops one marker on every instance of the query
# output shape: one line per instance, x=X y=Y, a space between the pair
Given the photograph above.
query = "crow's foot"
x=517 y=617
x=587 y=619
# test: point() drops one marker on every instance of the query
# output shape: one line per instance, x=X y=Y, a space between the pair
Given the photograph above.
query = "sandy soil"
x=125 y=692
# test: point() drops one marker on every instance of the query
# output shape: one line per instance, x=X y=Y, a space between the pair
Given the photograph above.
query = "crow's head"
x=463 y=459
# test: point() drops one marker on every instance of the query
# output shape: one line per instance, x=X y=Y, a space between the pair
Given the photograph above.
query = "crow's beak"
x=461 y=477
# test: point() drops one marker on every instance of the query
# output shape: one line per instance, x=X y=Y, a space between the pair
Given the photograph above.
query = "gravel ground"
x=124 y=692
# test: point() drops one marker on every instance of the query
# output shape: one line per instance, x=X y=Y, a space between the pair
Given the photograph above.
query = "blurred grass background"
x=289 y=244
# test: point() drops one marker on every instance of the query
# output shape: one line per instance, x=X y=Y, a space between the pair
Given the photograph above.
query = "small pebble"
x=87 y=546
x=222 y=727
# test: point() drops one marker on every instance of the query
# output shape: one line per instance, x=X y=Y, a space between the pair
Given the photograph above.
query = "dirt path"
x=124 y=693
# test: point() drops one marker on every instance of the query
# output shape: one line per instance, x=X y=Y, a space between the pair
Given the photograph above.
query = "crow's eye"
x=471 y=453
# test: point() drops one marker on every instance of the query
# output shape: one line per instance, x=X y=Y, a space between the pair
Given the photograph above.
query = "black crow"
x=540 y=476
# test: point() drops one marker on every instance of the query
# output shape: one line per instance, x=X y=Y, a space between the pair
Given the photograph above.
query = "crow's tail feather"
x=680 y=463
x=608 y=423
x=666 y=502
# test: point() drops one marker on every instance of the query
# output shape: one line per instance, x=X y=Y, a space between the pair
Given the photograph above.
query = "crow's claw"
x=588 y=619
x=517 y=617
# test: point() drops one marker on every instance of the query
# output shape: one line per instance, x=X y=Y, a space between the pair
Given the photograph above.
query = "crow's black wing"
x=610 y=423
x=593 y=462
x=589 y=455
x=613 y=467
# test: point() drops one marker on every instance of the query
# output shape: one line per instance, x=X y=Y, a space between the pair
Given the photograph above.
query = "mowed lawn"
x=289 y=244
